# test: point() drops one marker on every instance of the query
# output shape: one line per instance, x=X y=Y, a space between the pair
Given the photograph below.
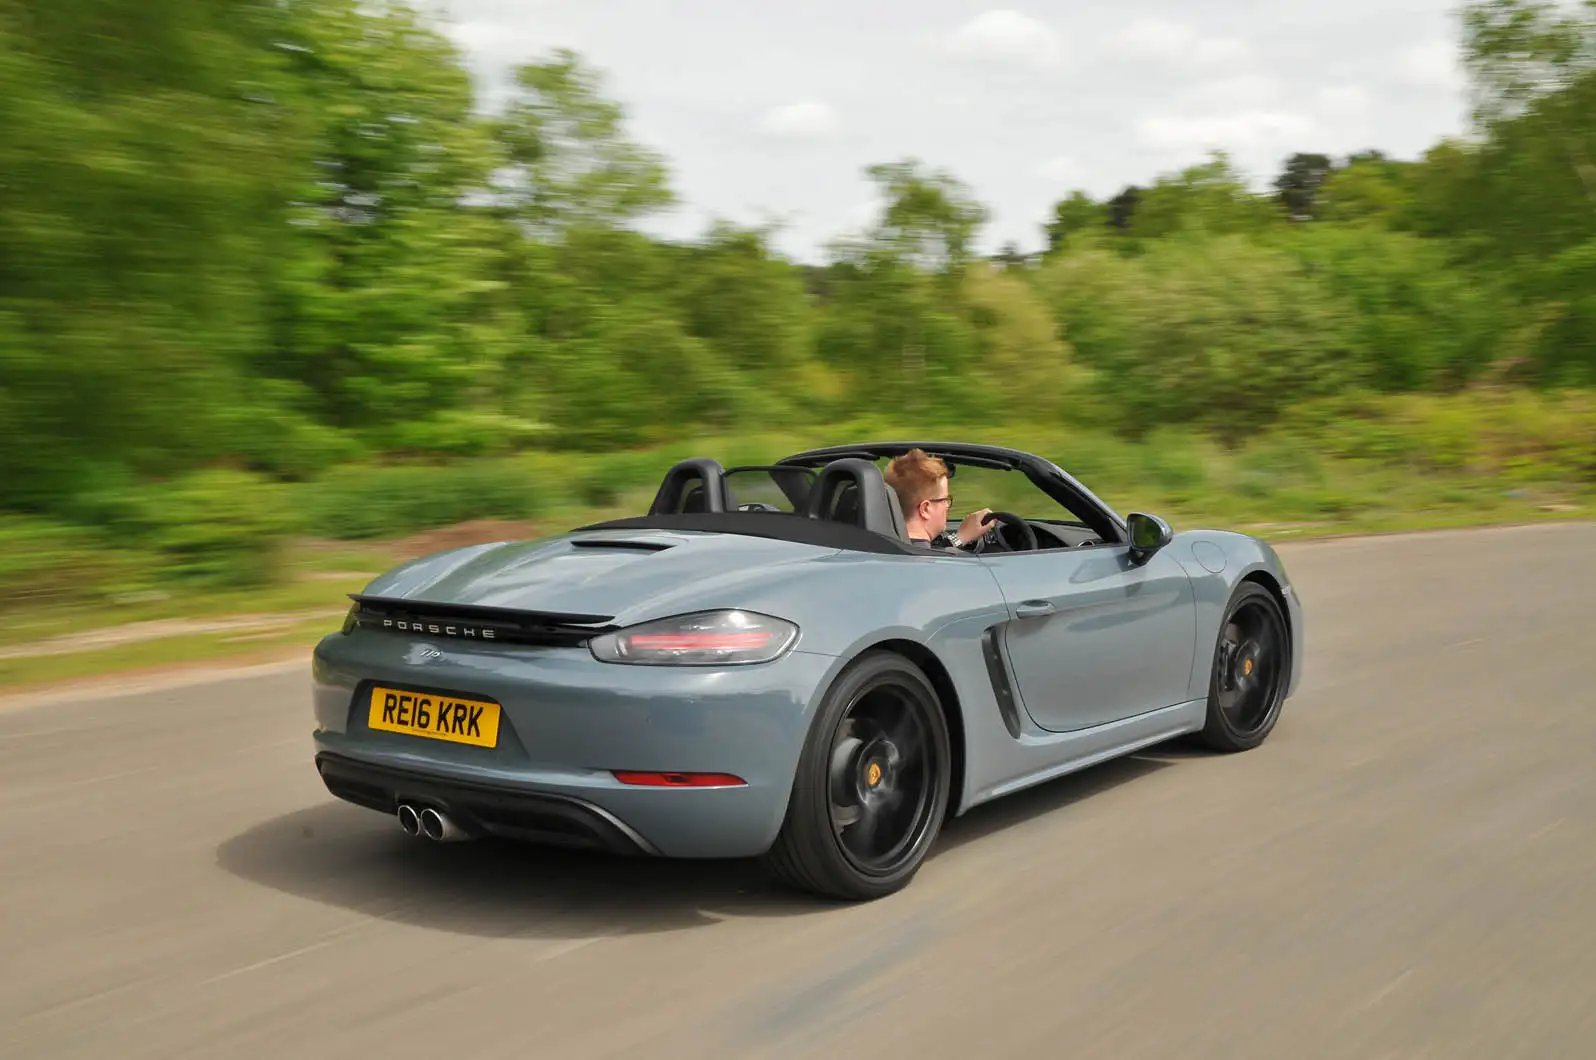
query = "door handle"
x=1034 y=608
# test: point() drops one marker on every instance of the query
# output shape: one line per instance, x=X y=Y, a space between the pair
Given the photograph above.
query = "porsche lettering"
x=439 y=629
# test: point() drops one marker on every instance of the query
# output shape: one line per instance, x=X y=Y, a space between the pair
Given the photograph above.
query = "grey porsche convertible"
x=764 y=665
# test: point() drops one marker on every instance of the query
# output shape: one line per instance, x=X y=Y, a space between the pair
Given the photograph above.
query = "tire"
x=878 y=752
x=1250 y=671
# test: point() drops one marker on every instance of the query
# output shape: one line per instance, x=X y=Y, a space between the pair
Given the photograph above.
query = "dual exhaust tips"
x=428 y=823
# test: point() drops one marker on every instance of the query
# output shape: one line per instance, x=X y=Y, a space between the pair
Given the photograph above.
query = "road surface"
x=1406 y=869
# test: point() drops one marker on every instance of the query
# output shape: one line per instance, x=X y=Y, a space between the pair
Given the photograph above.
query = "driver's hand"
x=975 y=524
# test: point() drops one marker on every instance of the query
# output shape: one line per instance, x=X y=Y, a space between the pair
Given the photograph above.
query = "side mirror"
x=1148 y=534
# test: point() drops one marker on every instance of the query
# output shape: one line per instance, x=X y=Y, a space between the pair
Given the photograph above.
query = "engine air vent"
x=638 y=546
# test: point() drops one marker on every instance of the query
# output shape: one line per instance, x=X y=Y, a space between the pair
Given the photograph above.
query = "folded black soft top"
x=779 y=526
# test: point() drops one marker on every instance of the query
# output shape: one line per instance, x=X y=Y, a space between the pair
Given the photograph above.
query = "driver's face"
x=934 y=509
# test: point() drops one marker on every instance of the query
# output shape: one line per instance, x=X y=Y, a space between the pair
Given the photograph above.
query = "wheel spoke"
x=840 y=775
x=880 y=775
x=904 y=732
x=905 y=745
x=862 y=836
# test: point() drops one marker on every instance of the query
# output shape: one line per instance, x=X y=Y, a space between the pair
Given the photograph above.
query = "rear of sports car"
x=677 y=736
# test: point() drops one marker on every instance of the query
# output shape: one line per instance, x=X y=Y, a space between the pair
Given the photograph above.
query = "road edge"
x=161 y=679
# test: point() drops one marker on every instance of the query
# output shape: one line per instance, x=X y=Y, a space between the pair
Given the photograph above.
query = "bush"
x=46 y=561
x=1221 y=333
x=372 y=501
x=604 y=480
x=216 y=528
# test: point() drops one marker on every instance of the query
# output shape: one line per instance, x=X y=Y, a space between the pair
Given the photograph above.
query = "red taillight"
x=679 y=780
x=699 y=641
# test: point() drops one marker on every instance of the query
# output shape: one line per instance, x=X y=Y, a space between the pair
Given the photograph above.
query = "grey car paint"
x=1095 y=637
x=1120 y=661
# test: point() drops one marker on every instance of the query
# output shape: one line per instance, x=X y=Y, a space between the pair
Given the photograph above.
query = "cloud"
x=1161 y=40
x=1242 y=91
x=1003 y=37
x=1260 y=80
x=1344 y=100
x=1344 y=118
x=809 y=120
x=1432 y=64
x=1252 y=117
x=499 y=43
x=1061 y=169
x=512 y=41
x=1252 y=137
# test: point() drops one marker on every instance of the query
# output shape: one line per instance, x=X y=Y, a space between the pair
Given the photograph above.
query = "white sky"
x=771 y=110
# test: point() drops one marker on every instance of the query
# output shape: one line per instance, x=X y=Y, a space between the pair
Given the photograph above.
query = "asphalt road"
x=1406 y=869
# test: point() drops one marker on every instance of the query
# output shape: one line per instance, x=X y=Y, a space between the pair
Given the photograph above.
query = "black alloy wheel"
x=872 y=785
x=1252 y=665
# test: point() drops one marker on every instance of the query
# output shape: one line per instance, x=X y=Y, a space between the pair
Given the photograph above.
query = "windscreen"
x=781 y=489
x=974 y=488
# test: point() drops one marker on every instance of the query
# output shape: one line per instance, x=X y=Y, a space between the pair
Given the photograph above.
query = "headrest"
x=897 y=513
x=703 y=477
x=851 y=490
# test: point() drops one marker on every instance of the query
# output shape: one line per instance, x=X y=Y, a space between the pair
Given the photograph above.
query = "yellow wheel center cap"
x=1246 y=668
x=873 y=774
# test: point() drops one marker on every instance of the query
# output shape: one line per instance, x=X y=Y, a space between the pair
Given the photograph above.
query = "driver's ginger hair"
x=914 y=476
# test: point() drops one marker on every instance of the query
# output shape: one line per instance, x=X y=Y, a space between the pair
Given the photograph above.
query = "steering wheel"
x=994 y=539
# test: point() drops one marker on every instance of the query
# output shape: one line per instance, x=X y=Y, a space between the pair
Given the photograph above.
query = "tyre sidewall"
x=810 y=814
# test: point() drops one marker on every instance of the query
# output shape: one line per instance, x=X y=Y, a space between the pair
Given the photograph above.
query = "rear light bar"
x=679 y=780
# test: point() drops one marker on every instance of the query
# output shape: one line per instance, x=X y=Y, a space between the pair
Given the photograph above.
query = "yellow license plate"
x=435 y=717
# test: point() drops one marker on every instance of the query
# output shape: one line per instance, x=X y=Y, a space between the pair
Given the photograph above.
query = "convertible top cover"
x=779 y=526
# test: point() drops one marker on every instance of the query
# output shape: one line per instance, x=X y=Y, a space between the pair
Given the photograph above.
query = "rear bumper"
x=483 y=809
x=568 y=723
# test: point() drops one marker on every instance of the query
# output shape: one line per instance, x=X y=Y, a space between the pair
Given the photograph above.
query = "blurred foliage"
x=262 y=245
x=214 y=528
x=353 y=501
x=1220 y=331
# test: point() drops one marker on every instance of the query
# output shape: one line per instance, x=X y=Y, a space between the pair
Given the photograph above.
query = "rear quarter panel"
x=937 y=605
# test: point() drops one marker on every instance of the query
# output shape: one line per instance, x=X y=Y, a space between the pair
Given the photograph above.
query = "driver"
x=921 y=483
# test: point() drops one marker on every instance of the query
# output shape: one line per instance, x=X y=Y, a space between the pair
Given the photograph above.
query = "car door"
x=1094 y=637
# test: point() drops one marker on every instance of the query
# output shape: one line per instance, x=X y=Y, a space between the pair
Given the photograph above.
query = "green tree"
x=388 y=310
x=1521 y=202
x=1209 y=198
x=1413 y=321
x=1023 y=364
x=893 y=318
x=1299 y=183
x=1072 y=215
x=1369 y=188
x=570 y=161
x=735 y=294
x=1122 y=208
x=1213 y=331
x=145 y=158
x=929 y=219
